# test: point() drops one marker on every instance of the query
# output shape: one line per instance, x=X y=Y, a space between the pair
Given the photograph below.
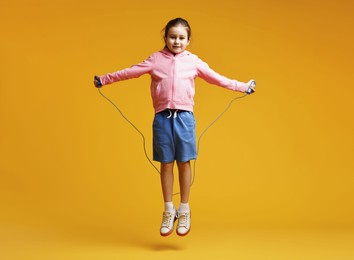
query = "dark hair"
x=175 y=22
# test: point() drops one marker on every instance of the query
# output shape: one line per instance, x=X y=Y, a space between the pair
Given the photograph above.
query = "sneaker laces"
x=166 y=219
x=183 y=219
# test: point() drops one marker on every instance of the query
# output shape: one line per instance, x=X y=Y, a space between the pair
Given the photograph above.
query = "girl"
x=172 y=71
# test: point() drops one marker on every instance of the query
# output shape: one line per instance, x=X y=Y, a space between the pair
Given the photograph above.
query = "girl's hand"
x=251 y=86
x=97 y=82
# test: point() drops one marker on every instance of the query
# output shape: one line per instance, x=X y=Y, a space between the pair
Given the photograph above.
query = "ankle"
x=169 y=207
x=184 y=207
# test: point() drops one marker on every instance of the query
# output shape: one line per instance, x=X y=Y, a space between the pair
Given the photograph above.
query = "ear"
x=189 y=40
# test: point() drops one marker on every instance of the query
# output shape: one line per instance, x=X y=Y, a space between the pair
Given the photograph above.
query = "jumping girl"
x=173 y=71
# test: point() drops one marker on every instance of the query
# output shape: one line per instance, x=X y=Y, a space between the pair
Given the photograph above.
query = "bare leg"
x=167 y=180
x=185 y=175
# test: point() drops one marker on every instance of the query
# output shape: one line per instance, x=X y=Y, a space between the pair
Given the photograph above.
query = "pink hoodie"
x=172 y=78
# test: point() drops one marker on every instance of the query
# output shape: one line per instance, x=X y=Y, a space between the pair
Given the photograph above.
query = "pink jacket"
x=172 y=78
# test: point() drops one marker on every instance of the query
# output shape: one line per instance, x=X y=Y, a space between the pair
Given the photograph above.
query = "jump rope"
x=248 y=92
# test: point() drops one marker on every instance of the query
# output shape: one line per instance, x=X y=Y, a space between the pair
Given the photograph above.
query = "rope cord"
x=199 y=139
x=126 y=119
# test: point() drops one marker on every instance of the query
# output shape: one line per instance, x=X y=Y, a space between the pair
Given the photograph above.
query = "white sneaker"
x=184 y=222
x=168 y=220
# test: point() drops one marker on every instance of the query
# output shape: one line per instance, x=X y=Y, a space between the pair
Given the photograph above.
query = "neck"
x=174 y=54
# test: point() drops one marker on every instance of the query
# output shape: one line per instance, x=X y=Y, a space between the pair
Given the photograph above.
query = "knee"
x=167 y=166
x=183 y=165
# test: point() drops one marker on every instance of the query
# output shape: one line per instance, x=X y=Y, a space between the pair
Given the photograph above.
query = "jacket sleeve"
x=134 y=71
x=212 y=77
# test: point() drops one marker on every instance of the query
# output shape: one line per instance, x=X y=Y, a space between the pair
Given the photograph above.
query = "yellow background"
x=274 y=176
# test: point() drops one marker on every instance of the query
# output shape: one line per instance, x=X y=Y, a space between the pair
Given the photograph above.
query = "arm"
x=134 y=71
x=212 y=77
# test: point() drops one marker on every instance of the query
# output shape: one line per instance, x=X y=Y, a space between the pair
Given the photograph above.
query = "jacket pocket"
x=184 y=91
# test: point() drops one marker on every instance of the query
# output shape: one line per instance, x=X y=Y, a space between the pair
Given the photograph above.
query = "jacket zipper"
x=173 y=81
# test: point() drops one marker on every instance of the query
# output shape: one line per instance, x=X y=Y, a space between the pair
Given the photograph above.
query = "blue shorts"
x=174 y=136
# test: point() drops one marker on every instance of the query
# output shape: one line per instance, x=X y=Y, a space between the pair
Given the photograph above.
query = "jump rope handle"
x=97 y=82
x=250 y=90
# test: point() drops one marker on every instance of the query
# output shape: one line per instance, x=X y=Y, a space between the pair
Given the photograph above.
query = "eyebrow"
x=181 y=35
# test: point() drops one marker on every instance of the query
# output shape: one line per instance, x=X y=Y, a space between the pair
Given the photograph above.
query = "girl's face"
x=177 y=39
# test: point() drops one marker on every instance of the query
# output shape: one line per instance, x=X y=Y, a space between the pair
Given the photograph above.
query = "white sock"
x=183 y=207
x=169 y=207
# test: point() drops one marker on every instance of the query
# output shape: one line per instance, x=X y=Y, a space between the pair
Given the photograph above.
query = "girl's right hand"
x=97 y=82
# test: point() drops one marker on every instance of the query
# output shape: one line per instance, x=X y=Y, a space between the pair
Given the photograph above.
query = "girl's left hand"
x=251 y=86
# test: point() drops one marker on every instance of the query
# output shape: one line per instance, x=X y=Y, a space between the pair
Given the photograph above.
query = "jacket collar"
x=169 y=53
